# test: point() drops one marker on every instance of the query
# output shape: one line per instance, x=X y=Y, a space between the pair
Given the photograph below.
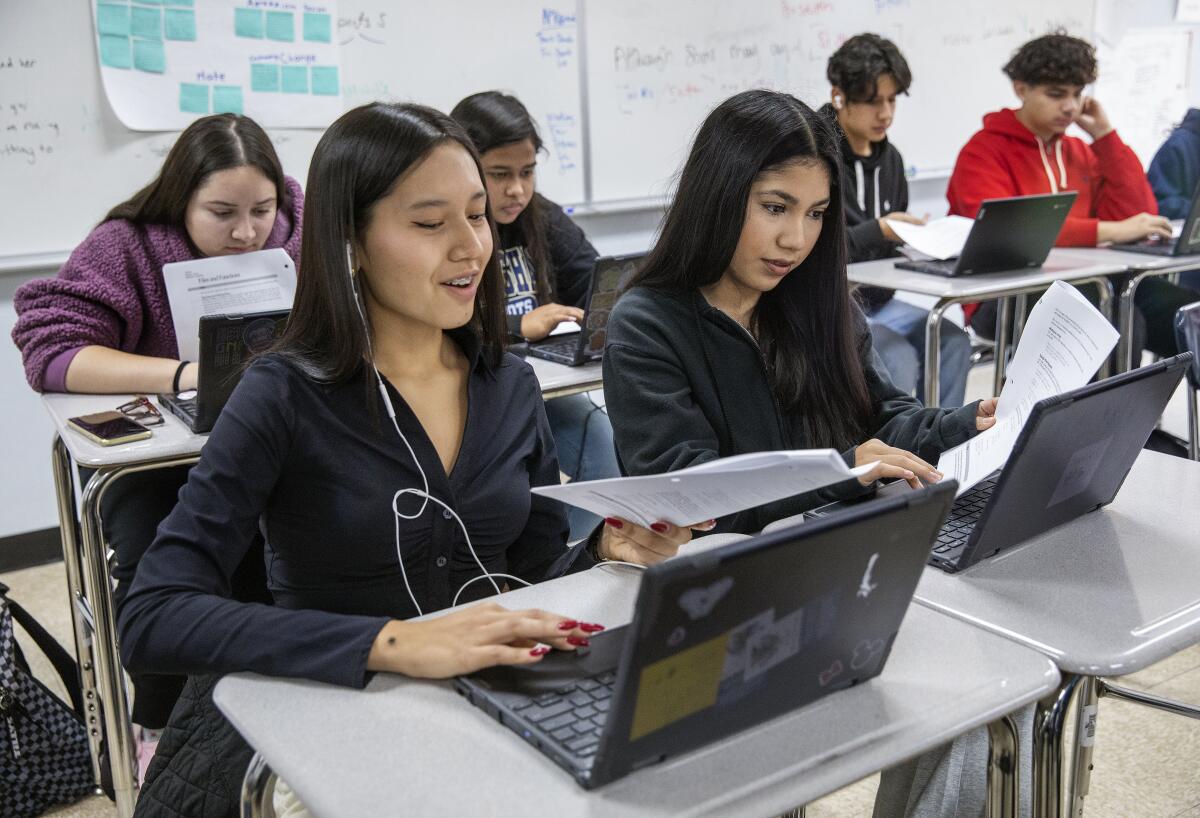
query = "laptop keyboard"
x=934 y=267
x=563 y=350
x=573 y=716
x=186 y=407
x=964 y=514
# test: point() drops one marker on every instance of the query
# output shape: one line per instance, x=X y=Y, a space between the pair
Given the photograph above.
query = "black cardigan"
x=685 y=384
x=315 y=466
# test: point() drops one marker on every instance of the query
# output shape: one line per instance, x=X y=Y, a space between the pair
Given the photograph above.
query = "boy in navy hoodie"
x=867 y=73
x=1174 y=176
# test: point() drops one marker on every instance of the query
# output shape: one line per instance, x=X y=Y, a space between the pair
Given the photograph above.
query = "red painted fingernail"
x=568 y=624
x=539 y=651
x=661 y=528
x=577 y=641
x=614 y=522
x=589 y=627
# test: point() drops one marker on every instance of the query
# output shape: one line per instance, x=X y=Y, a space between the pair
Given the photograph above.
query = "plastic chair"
x=1187 y=333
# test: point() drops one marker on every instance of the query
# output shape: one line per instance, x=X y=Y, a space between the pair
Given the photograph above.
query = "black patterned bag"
x=44 y=757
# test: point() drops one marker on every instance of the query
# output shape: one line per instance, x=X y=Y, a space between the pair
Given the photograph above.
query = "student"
x=1026 y=151
x=1174 y=176
x=867 y=73
x=387 y=448
x=547 y=263
x=103 y=324
x=738 y=333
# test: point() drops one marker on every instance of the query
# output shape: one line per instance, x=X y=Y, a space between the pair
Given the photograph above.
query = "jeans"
x=898 y=332
x=584 y=439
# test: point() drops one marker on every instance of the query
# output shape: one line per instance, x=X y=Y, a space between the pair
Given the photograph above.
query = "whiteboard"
x=65 y=159
x=655 y=70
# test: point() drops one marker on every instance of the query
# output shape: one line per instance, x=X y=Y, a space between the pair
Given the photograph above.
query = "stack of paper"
x=939 y=239
x=1064 y=343
x=710 y=490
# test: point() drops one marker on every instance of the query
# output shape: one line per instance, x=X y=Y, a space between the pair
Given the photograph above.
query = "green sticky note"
x=248 y=23
x=193 y=98
x=325 y=80
x=115 y=52
x=180 y=24
x=280 y=26
x=227 y=99
x=149 y=55
x=146 y=23
x=112 y=19
x=264 y=76
x=295 y=79
x=318 y=27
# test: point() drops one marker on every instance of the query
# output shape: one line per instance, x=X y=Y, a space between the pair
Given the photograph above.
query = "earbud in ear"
x=350 y=260
x=837 y=101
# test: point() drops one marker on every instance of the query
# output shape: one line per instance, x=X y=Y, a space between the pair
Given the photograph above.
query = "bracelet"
x=178 y=372
x=593 y=545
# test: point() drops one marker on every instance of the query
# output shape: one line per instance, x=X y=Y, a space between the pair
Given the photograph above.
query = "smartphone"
x=108 y=428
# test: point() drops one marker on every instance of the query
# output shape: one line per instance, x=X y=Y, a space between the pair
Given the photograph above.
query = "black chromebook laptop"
x=227 y=342
x=1187 y=244
x=578 y=348
x=1008 y=234
x=1071 y=458
x=724 y=640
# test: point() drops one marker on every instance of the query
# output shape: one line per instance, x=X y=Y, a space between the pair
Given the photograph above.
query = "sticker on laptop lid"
x=699 y=602
x=678 y=686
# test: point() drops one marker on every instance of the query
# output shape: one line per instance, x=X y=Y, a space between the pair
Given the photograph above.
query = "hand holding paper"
x=940 y=239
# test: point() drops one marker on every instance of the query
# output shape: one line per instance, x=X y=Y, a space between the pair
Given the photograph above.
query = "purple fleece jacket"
x=111 y=293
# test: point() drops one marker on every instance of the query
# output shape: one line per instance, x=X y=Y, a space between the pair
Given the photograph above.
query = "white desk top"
x=174 y=439
x=1134 y=262
x=416 y=747
x=1060 y=265
x=1106 y=594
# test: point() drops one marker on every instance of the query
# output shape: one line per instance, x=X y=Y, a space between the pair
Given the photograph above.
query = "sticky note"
x=325 y=80
x=280 y=26
x=146 y=23
x=678 y=686
x=112 y=19
x=318 y=27
x=180 y=24
x=149 y=55
x=227 y=99
x=193 y=98
x=295 y=79
x=264 y=76
x=115 y=52
x=248 y=23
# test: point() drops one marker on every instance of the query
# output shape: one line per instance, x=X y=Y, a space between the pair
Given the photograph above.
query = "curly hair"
x=1054 y=59
x=859 y=63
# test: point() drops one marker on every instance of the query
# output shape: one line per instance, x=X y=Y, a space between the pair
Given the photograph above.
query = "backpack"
x=44 y=757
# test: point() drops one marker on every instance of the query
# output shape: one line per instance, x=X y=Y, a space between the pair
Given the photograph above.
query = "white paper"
x=278 y=62
x=1187 y=11
x=940 y=239
x=710 y=490
x=1064 y=343
x=230 y=285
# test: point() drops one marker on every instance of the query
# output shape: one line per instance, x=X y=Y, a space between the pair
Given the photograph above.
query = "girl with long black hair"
x=738 y=333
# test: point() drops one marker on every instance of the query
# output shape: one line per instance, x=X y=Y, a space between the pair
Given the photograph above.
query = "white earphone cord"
x=422 y=492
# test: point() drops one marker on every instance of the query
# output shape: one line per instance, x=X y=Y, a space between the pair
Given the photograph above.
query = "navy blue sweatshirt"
x=316 y=465
x=1174 y=172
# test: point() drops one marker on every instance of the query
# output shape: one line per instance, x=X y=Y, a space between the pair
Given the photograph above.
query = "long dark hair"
x=209 y=144
x=357 y=162
x=493 y=120
x=806 y=326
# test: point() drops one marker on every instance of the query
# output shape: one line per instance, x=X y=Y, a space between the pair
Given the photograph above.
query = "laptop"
x=1071 y=458
x=227 y=343
x=1008 y=234
x=723 y=640
x=578 y=348
x=1187 y=244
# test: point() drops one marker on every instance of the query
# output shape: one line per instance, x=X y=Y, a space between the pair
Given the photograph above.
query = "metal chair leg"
x=1084 y=745
x=1004 y=769
x=257 y=788
x=1049 y=717
x=1193 y=425
x=1172 y=706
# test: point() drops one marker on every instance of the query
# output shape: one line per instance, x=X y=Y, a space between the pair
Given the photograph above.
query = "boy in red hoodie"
x=1026 y=150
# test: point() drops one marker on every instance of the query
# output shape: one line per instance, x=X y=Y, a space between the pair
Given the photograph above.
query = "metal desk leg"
x=933 y=352
x=64 y=486
x=1004 y=769
x=1193 y=424
x=1020 y=306
x=1085 y=738
x=122 y=752
x=1049 y=716
x=257 y=788
x=1003 y=315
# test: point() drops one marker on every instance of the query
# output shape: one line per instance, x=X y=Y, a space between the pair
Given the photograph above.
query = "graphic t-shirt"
x=519 y=293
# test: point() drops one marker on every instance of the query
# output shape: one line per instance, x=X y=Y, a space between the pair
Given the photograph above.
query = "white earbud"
x=350 y=260
x=837 y=101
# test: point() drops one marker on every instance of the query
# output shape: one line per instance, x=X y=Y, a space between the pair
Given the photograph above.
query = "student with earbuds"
x=867 y=74
x=386 y=448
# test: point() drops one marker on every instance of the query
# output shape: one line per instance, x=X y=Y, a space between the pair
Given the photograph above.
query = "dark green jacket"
x=685 y=384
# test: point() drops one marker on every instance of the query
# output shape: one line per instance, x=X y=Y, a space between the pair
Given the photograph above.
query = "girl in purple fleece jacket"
x=103 y=324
